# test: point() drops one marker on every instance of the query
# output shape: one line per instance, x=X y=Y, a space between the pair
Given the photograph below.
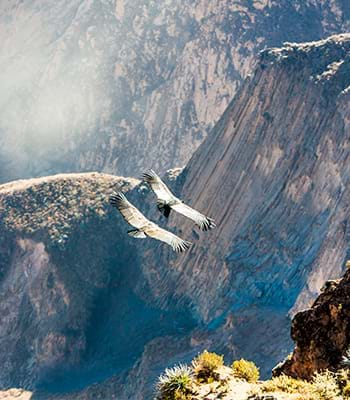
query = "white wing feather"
x=135 y=218
x=158 y=186
x=164 y=195
x=201 y=220
x=177 y=244
x=130 y=213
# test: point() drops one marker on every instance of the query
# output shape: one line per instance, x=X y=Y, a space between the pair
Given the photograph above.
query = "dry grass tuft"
x=245 y=370
x=205 y=366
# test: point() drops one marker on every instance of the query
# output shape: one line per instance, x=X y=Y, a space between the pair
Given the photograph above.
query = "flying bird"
x=143 y=226
x=166 y=201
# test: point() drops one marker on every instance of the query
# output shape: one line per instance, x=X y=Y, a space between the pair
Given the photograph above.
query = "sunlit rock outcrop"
x=321 y=333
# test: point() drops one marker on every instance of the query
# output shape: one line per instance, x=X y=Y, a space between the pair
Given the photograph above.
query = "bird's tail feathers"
x=137 y=234
x=164 y=208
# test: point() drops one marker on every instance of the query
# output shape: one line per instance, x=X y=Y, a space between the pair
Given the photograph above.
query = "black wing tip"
x=149 y=176
x=208 y=224
x=183 y=246
x=116 y=198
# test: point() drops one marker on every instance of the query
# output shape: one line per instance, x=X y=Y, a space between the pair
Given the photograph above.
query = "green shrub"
x=246 y=370
x=343 y=377
x=306 y=396
x=205 y=366
x=175 y=384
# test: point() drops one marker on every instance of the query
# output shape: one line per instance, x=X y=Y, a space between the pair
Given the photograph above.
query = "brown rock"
x=321 y=333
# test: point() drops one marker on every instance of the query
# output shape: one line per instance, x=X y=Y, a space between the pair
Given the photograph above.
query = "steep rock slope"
x=123 y=85
x=321 y=333
x=69 y=312
x=275 y=175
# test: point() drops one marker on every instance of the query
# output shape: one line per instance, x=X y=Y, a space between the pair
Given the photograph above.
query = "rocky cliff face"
x=274 y=174
x=321 y=333
x=119 y=86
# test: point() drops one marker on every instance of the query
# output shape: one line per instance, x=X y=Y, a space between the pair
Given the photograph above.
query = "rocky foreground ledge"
x=321 y=333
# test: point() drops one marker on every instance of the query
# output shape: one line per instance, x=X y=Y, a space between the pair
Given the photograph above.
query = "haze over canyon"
x=118 y=86
x=255 y=137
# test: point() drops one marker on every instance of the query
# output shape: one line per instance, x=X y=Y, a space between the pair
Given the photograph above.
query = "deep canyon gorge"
x=275 y=172
x=244 y=108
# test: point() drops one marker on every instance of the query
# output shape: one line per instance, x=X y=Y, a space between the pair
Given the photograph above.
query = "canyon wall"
x=120 y=86
x=274 y=174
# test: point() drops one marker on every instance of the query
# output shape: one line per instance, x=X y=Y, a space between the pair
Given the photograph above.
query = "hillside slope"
x=119 y=86
x=69 y=312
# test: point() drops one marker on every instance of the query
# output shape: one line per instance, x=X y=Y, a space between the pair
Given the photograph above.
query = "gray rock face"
x=118 y=86
x=274 y=175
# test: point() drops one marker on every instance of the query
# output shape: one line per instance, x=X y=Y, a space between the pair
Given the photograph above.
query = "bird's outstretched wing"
x=204 y=223
x=130 y=213
x=144 y=226
x=158 y=186
x=166 y=198
x=177 y=244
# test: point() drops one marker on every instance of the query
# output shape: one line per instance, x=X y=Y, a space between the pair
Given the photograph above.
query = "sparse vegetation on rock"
x=175 y=384
x=325 y=386
x=245 y=370
x=208 y=379
x=54 y=206
x=205 y=366
x=286 y=384
x=346 y=391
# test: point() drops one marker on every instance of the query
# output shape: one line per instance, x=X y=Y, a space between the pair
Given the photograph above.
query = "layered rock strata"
x=274 y=174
